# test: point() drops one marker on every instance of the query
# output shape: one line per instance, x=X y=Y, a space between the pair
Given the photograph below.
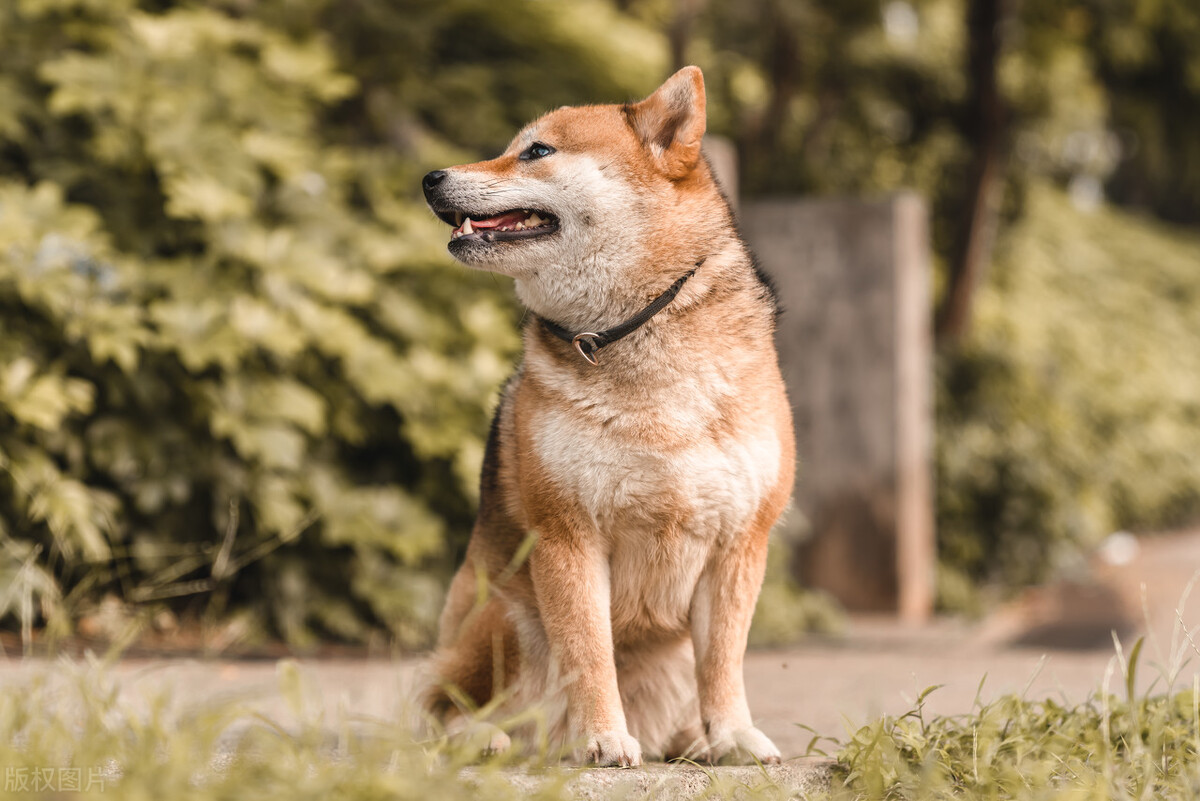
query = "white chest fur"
x=636 y=476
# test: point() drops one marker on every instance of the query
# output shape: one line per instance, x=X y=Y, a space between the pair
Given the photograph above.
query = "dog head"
x=587 y=187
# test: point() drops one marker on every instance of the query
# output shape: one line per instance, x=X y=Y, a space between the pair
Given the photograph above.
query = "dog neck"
x=589 y=343
x=602 y=292
x=589 y=295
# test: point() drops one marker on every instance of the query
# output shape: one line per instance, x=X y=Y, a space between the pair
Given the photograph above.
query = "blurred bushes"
x=239 y=376
x=1074 y=408
x=237 y=370
x=787 y=612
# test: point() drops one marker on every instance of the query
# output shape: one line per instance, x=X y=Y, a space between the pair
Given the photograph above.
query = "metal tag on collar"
x=585 y=343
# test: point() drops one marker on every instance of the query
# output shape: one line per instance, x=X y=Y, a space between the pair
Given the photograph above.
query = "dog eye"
x=537 y=150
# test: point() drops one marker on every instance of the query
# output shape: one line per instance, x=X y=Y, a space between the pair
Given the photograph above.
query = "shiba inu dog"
x=646 y=438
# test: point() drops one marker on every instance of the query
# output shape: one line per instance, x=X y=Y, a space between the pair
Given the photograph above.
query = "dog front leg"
x=571 y=583
x=721 y=611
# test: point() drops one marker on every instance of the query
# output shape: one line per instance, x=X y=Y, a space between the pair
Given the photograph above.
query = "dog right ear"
x=671 y=121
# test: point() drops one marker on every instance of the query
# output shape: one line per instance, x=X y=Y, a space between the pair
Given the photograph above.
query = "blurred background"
x=244 y=390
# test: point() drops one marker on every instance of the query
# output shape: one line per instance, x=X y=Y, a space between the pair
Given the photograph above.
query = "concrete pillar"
x=855 y=349
x=722 y=157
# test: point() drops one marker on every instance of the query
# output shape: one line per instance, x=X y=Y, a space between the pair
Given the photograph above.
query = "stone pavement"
x=801 y=778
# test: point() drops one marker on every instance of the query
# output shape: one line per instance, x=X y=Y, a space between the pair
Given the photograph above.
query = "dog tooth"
x=466 y=226
x=534 y=221
x=520 y=226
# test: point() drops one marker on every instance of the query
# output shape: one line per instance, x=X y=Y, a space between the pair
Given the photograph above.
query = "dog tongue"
x=512 y=218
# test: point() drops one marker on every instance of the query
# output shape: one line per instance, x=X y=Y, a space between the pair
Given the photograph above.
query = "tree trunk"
x=758 y=141
x=986 y=125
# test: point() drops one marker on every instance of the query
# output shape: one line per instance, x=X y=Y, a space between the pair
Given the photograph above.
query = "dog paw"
x=613 y=748
x=743 y=745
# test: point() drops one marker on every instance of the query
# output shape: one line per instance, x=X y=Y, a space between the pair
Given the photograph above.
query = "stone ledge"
x=803 y=778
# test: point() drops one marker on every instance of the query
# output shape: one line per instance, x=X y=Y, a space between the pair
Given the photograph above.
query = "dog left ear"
x=671 y=121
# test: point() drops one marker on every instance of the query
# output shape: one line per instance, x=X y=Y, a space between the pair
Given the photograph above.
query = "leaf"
x=293 y=402
x=42 y=401
x=206 y=198
x=76 y=514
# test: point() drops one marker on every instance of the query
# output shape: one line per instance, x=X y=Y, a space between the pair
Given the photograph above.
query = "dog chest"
x=646 y=476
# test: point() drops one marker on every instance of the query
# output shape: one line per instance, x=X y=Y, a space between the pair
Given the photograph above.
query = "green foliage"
x=234 y=356
x=1014 y=748
x=1148 y=52
x=1073 y=408
x=786 y=612
x=235 y=360
x=861 y=99
x=821 y=98
x=1133 y=748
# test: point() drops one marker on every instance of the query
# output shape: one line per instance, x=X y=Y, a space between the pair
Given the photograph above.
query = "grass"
x=1115 y=745
x=69 y=734
x=73 y=718
x=1144 y=748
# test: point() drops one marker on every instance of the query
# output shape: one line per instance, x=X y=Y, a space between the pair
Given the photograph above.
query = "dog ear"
x=671 y=122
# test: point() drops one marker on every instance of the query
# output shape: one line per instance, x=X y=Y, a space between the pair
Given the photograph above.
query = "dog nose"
x=433 y=179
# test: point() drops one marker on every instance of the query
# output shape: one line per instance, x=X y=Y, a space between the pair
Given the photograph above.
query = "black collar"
x=588 y=343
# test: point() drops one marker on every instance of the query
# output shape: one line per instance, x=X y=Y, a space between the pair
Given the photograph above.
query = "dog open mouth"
x=511 y=225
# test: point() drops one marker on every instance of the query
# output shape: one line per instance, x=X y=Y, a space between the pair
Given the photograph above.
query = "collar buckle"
x=587 y=344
